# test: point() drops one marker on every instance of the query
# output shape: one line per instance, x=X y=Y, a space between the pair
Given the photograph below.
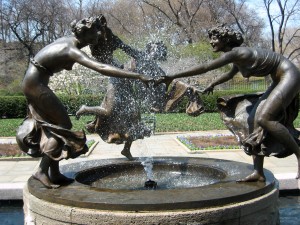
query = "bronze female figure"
x=265 y=116
x=46 y=131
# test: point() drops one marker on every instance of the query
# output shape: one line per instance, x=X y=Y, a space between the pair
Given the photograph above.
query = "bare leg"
x=258 y=173
x=281 y=133
x=42 y=172
x=50 y=146
x=126 y=150
x=56 y=177
x=275 y=104
x=96 y=110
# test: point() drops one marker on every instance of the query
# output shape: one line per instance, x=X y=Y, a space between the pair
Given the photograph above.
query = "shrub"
x=16 y=106
x=210 y=101
x=13 y=106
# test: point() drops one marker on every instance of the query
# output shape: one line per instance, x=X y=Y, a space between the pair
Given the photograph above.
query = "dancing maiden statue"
x=263 y=123
x=46 y=132
x=118 y=118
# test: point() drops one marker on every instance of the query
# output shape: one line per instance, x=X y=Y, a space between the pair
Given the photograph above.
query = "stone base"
x=225 y=202
x=261 y=210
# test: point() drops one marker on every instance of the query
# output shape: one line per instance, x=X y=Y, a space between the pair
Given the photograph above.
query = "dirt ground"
x=7 y=150
x=205 y=142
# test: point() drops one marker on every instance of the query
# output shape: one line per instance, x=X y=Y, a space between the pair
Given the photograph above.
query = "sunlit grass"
x=171 y=122
x=8 y=127
x=176 y=122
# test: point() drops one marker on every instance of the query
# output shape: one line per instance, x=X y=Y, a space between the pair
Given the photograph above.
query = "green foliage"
x=79 y=124
x=11 y=89
x=90 y=143
x=210 y=101
x=14 y=88
x=6 y=92
x=201 y=50
x=16 y=106
x=13 y=106
x=12 y=68
x=8 y=127
x=169 y=122
x=175 y=122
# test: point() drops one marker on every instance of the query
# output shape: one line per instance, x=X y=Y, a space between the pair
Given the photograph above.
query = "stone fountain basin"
x=132 y=176
x=221 y=190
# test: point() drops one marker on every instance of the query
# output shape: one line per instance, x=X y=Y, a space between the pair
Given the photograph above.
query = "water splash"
x=148 y=167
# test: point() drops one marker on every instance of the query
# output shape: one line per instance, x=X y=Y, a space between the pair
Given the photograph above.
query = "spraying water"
x=148 y=167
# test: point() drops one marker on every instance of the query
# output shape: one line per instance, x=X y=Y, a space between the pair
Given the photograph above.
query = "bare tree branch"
x=291 y=39
x=267 y=4
x=120 y=22
x=159 y=9
x=293 y=52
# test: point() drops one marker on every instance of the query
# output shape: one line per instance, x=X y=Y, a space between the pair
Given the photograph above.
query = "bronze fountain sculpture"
x=92 y=198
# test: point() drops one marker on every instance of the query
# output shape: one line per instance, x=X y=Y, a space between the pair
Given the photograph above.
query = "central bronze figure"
x=118 y=118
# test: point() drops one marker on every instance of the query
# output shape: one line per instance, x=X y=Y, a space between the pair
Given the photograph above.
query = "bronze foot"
x=44 y=179
x=255 y=176
x=127 y=154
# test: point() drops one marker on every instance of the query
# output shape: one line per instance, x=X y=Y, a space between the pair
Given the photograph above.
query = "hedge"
x=16 y=106
x=13 y=106
x=209 y=101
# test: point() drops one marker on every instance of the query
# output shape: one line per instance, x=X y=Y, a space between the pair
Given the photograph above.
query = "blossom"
x=79 y=80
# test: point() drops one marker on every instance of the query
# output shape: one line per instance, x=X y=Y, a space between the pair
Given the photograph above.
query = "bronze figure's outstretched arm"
x=203 y=68
x=104 y=69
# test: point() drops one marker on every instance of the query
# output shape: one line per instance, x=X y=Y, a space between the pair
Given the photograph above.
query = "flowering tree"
x=79 y=80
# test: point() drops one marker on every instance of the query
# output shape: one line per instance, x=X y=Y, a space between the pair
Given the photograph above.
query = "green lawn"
x=174 y=122
x=8 y=126
x=171 y=122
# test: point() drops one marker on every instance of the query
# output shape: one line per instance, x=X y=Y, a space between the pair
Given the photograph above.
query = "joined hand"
x=146 y=80
x=163 y=79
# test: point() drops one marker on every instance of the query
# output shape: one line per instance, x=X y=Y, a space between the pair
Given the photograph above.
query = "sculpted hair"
x=230 y=36
x=78 y=27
